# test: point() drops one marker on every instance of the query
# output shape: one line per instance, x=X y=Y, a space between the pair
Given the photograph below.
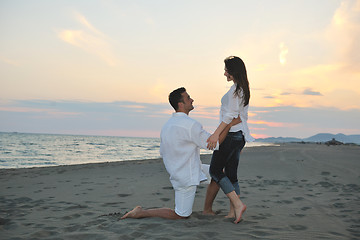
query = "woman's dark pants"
x=225 y=161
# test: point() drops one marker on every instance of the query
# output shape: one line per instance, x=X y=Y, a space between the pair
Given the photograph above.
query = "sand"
x=292 y=191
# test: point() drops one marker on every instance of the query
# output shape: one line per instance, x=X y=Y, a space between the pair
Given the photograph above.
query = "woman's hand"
x=235 y=121
x=212 y=141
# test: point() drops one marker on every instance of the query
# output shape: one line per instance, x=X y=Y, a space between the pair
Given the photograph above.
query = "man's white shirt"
x=181 y=140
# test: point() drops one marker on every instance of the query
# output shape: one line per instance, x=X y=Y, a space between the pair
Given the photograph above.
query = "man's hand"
x=212 y=141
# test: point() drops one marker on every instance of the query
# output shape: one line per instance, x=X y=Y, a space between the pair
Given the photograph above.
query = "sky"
x=106 y=67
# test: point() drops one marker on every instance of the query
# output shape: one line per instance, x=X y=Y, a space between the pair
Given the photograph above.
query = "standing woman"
x=224 y=162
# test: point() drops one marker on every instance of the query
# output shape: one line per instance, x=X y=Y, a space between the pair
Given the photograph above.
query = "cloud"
x=9 y=61
x=269 y=124
x=75 y=117
x=90 y=40
x=158 y=90
x=125 y=119
x=260 y=136
x=39 y=112
x=308 y=91
x=86 y=23
x=133 y=106
x=344 y=33
x=304 y=122
x=283 y=53
x=286 y=93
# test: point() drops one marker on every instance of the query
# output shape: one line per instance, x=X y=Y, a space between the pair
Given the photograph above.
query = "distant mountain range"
x=321 y=137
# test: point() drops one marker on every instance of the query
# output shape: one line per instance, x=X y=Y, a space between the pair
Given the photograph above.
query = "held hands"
x=214 y=138
x=212 y=141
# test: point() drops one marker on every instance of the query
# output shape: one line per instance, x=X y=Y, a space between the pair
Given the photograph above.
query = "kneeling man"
x=181 y=140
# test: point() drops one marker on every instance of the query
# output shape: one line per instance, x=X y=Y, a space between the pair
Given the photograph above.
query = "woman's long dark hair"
x=236 y=68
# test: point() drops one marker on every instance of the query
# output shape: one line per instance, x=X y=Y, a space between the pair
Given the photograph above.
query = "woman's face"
x=228 y=76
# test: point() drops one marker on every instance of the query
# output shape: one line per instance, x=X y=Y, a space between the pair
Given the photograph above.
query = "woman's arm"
x=232 y=112
x=227 y=129
x=223 y=134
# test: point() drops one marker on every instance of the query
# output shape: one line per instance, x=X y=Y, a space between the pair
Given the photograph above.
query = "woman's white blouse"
x=231 y=107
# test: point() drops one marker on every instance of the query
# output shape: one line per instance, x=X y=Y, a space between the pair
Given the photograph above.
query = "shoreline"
x=293 y=191
x=127 y=160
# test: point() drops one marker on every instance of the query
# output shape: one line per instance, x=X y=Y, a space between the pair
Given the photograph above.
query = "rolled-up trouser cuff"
x=226 y=185
x=237 y=188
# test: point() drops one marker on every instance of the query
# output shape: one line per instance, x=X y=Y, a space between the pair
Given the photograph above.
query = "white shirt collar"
x=178 y=114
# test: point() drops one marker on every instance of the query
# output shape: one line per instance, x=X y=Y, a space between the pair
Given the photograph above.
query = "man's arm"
x=227 y=129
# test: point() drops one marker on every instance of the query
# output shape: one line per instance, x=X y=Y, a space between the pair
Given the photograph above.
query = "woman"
x=224 y=162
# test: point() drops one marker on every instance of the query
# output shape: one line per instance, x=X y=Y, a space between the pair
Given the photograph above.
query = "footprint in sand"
x=261 y=216
x=298 y=198
x=347 y=211
x=87 y=182
x=261 y=206
x=4 y=221
x=284 y=201
x=124 y=195
x=305 y=208
x=89 y=213
x=298 y=227
x=76 y=207
x=111 y=204
x=70 y=217
x=339 y=205
x=259 y=233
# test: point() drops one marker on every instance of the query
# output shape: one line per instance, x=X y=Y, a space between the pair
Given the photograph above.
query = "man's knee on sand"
x=184 y=201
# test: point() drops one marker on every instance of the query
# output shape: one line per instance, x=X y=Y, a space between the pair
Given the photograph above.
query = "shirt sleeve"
x=233 y=108
x=199 y=136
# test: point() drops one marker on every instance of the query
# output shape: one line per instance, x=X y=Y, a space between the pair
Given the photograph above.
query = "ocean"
x=25 y=150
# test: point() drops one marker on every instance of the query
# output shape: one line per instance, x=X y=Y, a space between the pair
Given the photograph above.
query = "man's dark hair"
x=175 y=97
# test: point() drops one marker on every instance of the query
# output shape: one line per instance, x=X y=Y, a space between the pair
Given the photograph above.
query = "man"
x=181 y=140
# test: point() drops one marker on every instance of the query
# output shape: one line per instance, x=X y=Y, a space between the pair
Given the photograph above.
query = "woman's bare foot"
x=238 y=213
x=133 y=213
x=230 y=215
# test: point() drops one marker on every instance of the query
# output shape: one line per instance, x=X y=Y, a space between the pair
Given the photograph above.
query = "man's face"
x=188 y=102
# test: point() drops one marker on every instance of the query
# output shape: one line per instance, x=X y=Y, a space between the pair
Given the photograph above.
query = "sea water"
x=24 y=150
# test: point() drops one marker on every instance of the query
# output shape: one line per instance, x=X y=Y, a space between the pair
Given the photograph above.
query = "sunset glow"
x=105 y=60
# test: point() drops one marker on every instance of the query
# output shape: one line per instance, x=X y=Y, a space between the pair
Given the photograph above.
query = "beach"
x=292 y=191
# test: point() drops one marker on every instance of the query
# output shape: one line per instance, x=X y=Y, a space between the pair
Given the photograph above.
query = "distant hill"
x=321 y=137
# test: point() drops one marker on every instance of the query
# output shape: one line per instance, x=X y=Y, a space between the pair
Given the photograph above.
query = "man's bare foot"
x=133 y=213
x=239 y=212
x=208 y=212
